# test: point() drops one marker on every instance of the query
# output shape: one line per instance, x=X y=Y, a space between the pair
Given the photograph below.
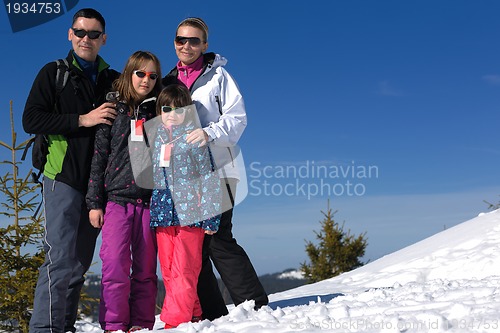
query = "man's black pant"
x=233 y=265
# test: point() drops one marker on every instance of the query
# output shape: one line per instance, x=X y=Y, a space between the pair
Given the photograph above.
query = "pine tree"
x=18 y=264
x=492 y=206
x=337 y=251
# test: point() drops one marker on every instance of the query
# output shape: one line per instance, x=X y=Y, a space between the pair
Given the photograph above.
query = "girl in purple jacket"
x=121 y=208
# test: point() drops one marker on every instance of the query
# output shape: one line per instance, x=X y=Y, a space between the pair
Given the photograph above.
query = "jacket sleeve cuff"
x=211 y=134
x=93 y=205
x=73 y=122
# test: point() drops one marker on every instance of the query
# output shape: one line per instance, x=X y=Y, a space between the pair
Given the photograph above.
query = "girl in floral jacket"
x=185 y=203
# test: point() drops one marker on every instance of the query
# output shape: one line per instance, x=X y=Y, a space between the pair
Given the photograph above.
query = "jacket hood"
x=214 y=59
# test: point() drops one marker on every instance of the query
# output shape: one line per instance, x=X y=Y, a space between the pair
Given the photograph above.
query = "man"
x=68 y=120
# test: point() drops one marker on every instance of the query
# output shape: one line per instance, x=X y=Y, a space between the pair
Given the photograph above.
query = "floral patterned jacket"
x=187 y=191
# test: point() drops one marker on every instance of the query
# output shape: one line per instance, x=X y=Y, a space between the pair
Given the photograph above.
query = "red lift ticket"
x=165 y=154
x=136 y=133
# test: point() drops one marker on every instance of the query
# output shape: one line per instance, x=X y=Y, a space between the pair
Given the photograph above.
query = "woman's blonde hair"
x=195 y=22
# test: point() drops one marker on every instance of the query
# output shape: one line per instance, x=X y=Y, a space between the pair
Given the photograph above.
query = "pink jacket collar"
x=189 y=73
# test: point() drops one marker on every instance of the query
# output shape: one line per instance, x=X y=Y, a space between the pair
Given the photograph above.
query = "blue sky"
x=410 y=88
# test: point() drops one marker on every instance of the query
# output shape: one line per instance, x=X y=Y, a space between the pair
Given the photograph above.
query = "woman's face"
x=145 y=84
x=188 y=52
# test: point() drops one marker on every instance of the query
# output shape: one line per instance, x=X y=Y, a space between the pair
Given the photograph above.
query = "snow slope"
x=449 y=282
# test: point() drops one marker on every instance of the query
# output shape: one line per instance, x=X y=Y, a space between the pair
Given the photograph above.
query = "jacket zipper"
x=219 y=107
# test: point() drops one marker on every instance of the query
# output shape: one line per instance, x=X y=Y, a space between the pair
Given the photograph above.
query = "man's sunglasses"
x=193 y=41
x=141 y=74
x=80 y=33
x=179 y=111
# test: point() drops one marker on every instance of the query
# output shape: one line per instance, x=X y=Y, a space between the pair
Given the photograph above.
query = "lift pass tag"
x=165 y=154
x=136 y=133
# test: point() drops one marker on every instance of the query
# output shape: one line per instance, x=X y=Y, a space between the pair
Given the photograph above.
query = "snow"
x=294 y=275
x=449 y=282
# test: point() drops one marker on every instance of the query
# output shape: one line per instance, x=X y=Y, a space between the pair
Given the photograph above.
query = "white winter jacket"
x=222 y=113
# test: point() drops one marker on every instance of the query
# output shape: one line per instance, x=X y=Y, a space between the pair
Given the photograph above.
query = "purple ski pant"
x=129 y=281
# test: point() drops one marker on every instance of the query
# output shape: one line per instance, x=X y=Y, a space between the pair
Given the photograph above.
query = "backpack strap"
x=61 y=76
x=27 y=147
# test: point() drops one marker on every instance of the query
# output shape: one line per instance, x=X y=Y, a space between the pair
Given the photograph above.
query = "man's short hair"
x=90 y=13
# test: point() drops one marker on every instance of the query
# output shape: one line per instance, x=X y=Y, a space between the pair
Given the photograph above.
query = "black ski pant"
x=233 y=265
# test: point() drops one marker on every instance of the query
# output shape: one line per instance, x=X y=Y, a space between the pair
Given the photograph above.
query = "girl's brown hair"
x=173 y=95
x=124 y=83
x=177 y=95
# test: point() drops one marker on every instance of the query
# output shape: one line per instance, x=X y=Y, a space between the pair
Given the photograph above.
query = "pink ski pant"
x=179 y=251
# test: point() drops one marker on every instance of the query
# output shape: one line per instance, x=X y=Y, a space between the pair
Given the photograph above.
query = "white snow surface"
x=293 y=275
x=449 y=282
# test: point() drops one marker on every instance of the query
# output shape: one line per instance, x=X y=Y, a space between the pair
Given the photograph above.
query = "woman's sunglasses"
x=80 y=33
x=179 y=111
x=141 y=74
x=193 y=41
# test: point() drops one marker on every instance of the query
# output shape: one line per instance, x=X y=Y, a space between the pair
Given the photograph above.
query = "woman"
x=222 y=115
